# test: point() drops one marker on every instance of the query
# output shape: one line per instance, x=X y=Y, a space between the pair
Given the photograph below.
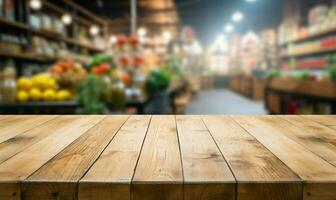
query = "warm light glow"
x=66 y=19
x=94 y=30
x=142 y=32
x=113 y=39
x=229 y=28
x=35 y=4
x=237 y=16
x=167 y=36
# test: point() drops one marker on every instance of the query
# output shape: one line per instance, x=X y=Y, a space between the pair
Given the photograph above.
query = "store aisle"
x=223 y=101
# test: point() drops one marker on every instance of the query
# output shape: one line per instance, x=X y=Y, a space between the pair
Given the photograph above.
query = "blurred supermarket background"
x=167 y=57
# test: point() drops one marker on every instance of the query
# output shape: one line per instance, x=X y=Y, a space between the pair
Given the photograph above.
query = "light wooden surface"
x=168 y=157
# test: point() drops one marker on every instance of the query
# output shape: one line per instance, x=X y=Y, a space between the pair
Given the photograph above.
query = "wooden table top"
x=168 y=157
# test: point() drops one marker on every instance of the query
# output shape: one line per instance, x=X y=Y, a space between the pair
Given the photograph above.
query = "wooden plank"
x=15 y=125
x=332 y=127
x=259 y=174
x=319 y=139
x=61 y=174
x=202 y=162
x=21 y=141
x=159 y=171
x=328 y=120
x=110 y=176
x=20 y=166
x=314 y=171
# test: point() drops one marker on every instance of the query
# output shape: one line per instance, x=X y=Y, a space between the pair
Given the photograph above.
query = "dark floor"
x=223 y=101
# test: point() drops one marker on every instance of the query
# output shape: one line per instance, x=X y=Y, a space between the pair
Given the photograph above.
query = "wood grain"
x=307 y=165
x=257 y=171
x=21 y=141
x=13 y=126
x=202 y=162
x=159 y=170
x=62 y=173
x=167 y=157
x=110 y=176
x=327 y=120
x=317 y=138
x=20 y=166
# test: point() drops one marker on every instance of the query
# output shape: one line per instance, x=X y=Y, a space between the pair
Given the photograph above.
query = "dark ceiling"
x=208 y=17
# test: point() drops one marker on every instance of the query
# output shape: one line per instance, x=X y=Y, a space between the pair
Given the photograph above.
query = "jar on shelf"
x=8 y=83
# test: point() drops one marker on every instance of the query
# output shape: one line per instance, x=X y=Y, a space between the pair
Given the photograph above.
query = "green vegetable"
x=90 y=93
x=273 y=74
x=332 y=72
x=103 y=58
x=158 y=80
x=332 y=67
x=300 y=75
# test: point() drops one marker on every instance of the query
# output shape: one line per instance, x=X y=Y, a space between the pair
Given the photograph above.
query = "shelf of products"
x=288 y=96
x=242 y=84
x=27 y=57
x=311 y=36
x=41 y=36
x=308 y=47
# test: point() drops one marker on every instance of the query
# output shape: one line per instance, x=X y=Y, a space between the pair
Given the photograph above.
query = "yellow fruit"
x=49 y=95
x=63 y=95
x=24 y=83
x=50 y=84
x=35 y=94
x=40 y=81
x=22 y=96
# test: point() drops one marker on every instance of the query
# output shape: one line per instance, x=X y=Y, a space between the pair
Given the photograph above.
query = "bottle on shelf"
x=8 y=83
x=1 y=8
x=9 y=9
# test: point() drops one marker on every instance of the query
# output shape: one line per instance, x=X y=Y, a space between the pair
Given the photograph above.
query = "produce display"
x=104 y=67
x=158 y=80
x=41 y=87
x=68 y=73
x=129 y=59
x=90 y=94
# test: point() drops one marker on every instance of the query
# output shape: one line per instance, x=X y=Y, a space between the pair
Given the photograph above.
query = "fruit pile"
x=102 y=64
x=41 y=87
x=68 y=73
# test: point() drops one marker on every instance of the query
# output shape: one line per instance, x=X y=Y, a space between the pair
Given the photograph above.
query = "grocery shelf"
x=61 y=107
x=57 y=37
x=48 y=34
x=309 y=53
x=14 y=24
x=28 y=57
x=311 y=37
x=278 y=90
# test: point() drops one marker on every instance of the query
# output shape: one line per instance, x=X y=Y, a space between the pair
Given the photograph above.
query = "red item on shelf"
x=124 y=61
x=138 y=61
x=105 y=67
x=133 y=41
x=292 y=107
x=121 y=40
x=126 y=78
x=96 y=70
x=329 y=43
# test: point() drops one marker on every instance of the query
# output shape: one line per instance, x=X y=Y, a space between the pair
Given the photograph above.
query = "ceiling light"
x=35 y=4
x=237 y=16
x=142 y=32
x=167 y=36
x=94 y=30
x=229 y=28
x=113 y=39
x=66 y=19
x=251 y=1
